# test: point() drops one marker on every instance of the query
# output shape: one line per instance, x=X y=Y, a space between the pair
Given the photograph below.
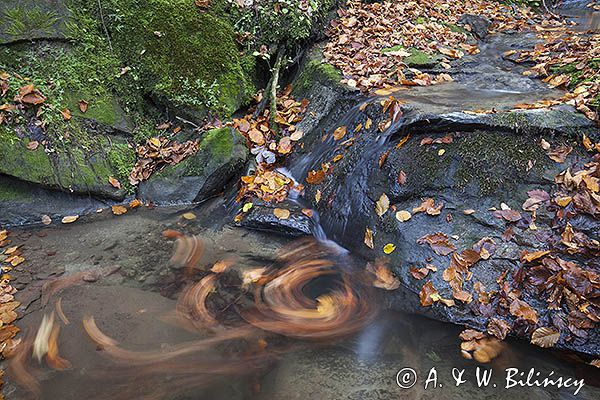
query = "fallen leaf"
x=498 y=328
x=189 y=216
x=339 y=133
x=46 y=220
x=118 y=210
x=403 y=216
x=114 y=182
x=389 y=248
x=281 y=213
x=401 y=178
x=428 y=295
x=32 y=145
x=385 y=279
x=382 y=205
x=66 y=114
x=69 y=219
x=521 y=309
x=369 y=238
x=246 y=207
x=83 y=106
x=545 y=337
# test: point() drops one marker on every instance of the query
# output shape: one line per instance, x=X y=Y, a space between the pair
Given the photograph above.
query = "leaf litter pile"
x=10 y=257
x=371 y=42
x=271 y=138
x=567 y=58
x=248 y=310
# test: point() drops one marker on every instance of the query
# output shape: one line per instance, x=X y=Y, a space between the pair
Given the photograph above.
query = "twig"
x=104 y=25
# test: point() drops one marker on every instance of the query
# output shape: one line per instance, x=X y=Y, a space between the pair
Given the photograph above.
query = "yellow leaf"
x=189 y=216
x=563 y=201
x=69 y=219
x=403 y=216
x=441 y=152
x=389 y=248
x=318 y=196
x=155 y=141
x=247 y=207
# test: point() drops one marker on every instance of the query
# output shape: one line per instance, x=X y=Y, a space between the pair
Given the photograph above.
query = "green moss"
x=219 y=142
x=317 y=71
x=417 y=58
x=10 y=192
x=23 y=22
x=178 y=53
x=122 y=158
x=482 y=152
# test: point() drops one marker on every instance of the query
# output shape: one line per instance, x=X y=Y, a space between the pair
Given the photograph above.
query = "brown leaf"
x=428 y=295
x=401 y=178
x=521 y=309
x=369 y=238
x=118 y=210
x=83 y=106
x=114 y=182
x=281 y=213
x=66 y=114
x=384 y=278
x=438 y=243
x=545 y=337
x=32 y=145
x=498 y=328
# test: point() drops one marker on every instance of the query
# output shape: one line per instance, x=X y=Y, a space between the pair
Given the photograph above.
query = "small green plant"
x=28 y=22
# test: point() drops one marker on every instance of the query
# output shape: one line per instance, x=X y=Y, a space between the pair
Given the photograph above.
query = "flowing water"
x=133 y=308
x=148 y=353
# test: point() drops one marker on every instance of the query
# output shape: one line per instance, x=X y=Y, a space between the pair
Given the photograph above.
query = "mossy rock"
x=221 y=155
x=83 y=167
x=22 y=20
x=185 y=58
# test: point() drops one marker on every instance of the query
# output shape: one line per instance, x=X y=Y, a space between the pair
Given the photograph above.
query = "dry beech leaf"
x=118 y=210
x=189 y=216
x=403 y=216
x=66 y=114
x=369 y=238
x=69 y=219
x=114 y=182
x=498 y=328
x=281 y=213
x=339 y=133
x=382 y=205
x=545 y=337
x=83 y=106
x=46 y=220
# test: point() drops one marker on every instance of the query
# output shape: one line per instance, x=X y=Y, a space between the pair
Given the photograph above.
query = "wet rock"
x=493 y=157
x=479 y=25
x=261 y=217
x=221 y=156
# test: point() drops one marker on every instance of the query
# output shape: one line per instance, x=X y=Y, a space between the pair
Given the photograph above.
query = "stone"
x=221 y=155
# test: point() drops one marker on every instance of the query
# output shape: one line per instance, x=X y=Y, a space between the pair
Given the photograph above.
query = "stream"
x=130 y=307
x=127 y=278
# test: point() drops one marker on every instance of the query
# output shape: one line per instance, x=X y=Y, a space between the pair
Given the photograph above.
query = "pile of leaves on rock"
x=10 y=257
x=564 y=275
x=270 y=139
x=569 y=58
x=371 y=42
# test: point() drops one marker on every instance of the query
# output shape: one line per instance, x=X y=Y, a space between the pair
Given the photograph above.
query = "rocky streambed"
x=461 y=144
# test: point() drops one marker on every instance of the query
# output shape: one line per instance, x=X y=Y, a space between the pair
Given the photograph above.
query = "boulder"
x=221 y=156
